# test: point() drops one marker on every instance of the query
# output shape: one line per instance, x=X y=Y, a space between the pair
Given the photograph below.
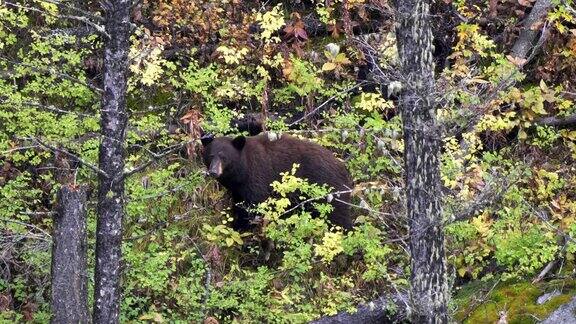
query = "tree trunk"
x=429 y=284
x=69 y=278
x=526 y=39
x=111 y=161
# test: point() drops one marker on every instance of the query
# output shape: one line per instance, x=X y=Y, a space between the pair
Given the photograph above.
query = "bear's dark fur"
x=251 y=123
x=246 y=166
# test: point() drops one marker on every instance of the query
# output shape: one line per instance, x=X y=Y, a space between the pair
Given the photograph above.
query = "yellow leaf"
x=571 y=135
x=522 y=135
x=328 y=66
x=477 y=80
x=543 y=86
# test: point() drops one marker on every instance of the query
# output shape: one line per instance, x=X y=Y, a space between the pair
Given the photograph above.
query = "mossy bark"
x=429 y=284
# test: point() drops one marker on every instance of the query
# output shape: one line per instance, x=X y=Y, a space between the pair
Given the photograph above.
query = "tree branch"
x=52 y=71
x=388 y=309
x=155 y=157
x=488 y=197
x=71 y=155
x=100 y=29
x=527 y=37
x=569 y=121
x=46 y=234
x=46 y=107
x=83 y=12
x=313 y=111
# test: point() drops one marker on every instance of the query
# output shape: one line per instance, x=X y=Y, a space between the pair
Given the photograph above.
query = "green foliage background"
x=181 y=260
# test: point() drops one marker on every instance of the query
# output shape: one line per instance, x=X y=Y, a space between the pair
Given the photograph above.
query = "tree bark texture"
x=429 y=284
x=531 y=28
x=565 y=122
x=387 y=309
x=111 y=161
x=69 y=277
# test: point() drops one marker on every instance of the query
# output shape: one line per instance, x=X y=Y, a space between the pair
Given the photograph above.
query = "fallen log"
x=386 y=309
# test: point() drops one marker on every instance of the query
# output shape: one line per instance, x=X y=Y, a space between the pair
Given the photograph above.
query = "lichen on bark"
x=429 y=284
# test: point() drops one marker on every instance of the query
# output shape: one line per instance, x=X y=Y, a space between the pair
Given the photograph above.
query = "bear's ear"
x=239 y=142
x=206 y=139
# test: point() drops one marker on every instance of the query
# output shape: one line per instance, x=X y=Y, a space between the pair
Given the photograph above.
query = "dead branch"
x=155 y=157
x=71 y=155
x=568 y=122
x=83 y=19
x=386 y=309
x=489 y=196
x=46 y=235
x=46 y=107
x=52 y=71
x=531 y=29
x=327 y=101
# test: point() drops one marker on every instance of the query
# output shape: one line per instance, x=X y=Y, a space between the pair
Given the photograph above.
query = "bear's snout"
x=215 y=169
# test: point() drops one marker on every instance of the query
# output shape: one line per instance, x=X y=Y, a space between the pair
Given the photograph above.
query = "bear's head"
x=222 y=157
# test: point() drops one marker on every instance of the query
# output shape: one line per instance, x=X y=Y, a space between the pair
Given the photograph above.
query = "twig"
x=100 y=29
x=487 y=198
x=313 y=111
x=370 y=210
x=21 y=148
x=302 y=203
x=83 y=12
x=155 y=157
x=48 y=213
x=7 y=220
x=551 y=264
x=48 y=107
x=544 y=219
x=74 y=156
x=54 y=72
x=545 y=271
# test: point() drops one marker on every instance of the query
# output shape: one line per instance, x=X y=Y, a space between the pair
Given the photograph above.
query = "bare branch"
x=54 y=72
x=569 y=121
x=83 y=12
x=7 y=220
x=74 y=156
x=488 y=197
x=46 y=107
x=525 y=41
x=155 y=157
x=100 y=29
x=21 y=148
x=313 y=111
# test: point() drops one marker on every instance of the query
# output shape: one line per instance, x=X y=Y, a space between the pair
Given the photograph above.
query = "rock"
x=547 y=296
x=566 y=314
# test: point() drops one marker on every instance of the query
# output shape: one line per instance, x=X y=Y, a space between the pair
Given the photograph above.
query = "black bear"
x=251 y=123
x=246 y=166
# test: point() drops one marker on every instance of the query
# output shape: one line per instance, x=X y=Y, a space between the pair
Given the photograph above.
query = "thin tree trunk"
x=530 y=30
x=429 y=284
x=111 y=161
x=69 y=278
